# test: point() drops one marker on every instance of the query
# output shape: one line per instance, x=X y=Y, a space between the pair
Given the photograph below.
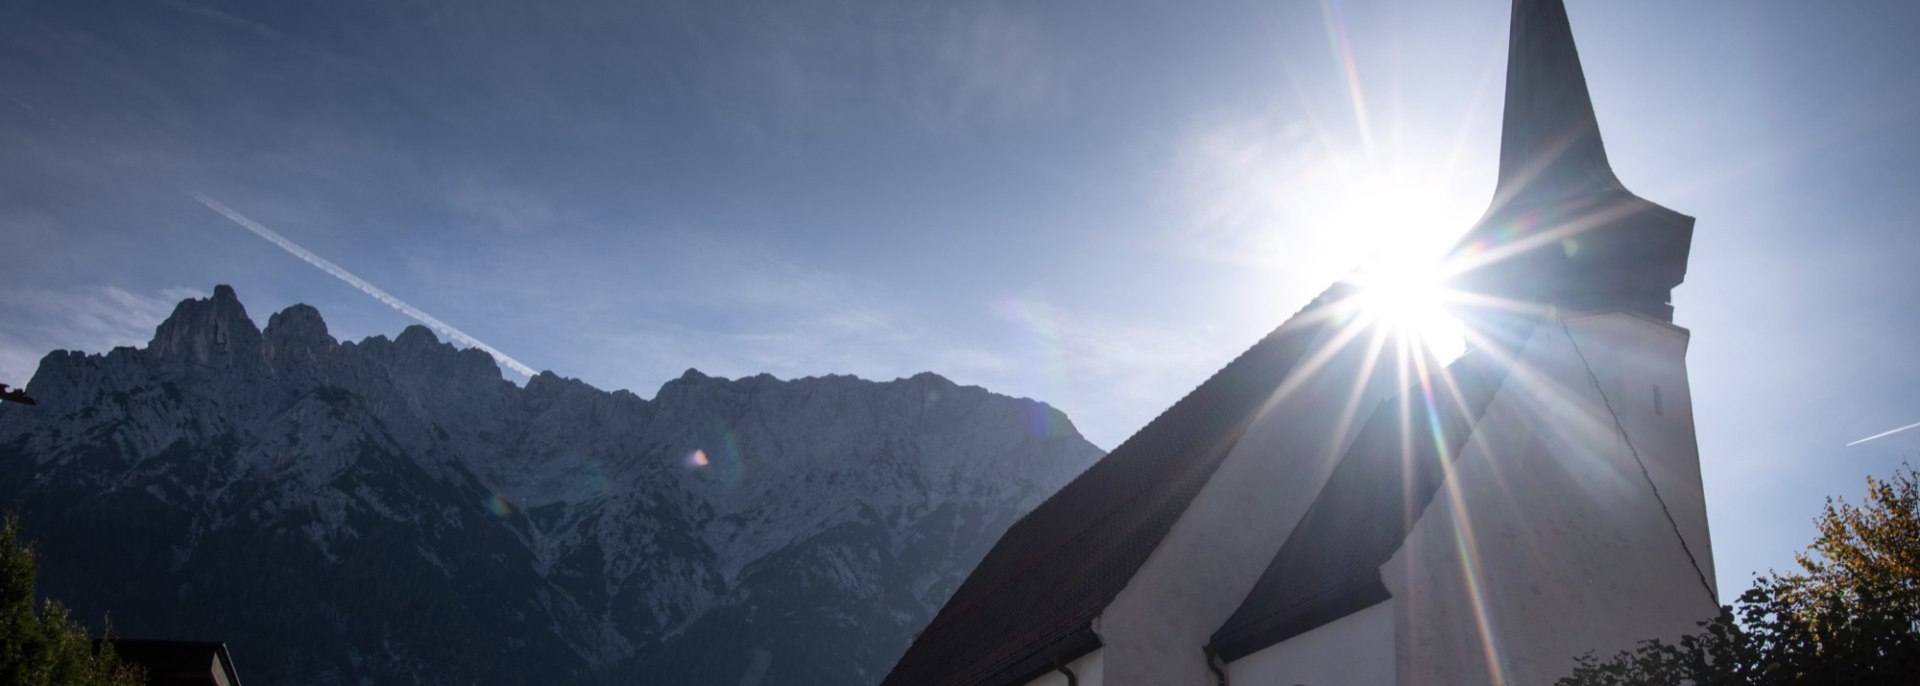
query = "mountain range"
x=394 y=511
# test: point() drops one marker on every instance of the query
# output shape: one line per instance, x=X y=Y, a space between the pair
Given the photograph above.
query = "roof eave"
x=1357 y=594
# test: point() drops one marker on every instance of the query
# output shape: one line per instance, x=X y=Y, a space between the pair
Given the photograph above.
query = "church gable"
x=1034 y=597
x=1151 y=546
x=1329 y=566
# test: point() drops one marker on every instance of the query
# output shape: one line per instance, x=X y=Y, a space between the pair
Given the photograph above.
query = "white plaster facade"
x=1155 y=630
x=1548 y=539
x=1349 y=651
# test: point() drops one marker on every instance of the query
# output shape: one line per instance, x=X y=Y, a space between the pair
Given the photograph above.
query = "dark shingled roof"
x=1330 y=564
x=1034 y=596
x=179 y=663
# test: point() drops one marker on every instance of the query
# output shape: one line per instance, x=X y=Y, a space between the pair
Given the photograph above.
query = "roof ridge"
x=1141 y=490
x=1486 y=367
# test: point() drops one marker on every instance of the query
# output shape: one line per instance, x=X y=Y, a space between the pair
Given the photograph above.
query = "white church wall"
x=1086 y=672
x=1154 y=631
x=1646 y=383
x=1354 y=650
x=1547 y=540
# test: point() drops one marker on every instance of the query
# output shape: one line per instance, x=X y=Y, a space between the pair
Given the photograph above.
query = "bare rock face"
x=214 y=332
x=394 y=511
x=297 y=337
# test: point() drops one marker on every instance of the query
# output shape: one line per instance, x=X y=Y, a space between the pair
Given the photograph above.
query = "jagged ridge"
x=395 y=510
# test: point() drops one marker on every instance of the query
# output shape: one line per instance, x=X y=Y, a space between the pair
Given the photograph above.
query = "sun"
x=1409 y=298
x=1399 y=230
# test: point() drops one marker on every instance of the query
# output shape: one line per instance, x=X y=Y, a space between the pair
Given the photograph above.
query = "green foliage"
x=49 y=648
x=1851 y=616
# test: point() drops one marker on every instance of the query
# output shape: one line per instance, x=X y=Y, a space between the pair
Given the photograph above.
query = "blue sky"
x=1096 y=204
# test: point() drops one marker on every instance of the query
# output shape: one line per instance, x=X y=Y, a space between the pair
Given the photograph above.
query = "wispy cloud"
x=941 y=65
x=255 y=28
x=491 y=209
x=342 y=274
x=1238 y=178
x=1110 y=374
x=1271 y=192
x=93 y=319
x=636 y=305
x=989 y=60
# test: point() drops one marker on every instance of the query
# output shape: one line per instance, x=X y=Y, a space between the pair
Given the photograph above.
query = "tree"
x=1871 y=550
x=48 y=648
x=1850 y=616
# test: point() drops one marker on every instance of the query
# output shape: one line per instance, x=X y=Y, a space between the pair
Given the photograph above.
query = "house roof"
x=1329 y=566
x=179 y=663
x=1033 y=598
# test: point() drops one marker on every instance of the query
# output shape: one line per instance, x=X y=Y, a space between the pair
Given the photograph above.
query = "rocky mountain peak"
x=212 y=331
x=480 y=532
x=417 y=337
x=419 y=354
x=930 y=379
x=549 y=383
x=298 y=334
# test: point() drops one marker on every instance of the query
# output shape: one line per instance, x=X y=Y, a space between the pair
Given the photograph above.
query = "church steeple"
x=1562 y=229
x=1550 y=139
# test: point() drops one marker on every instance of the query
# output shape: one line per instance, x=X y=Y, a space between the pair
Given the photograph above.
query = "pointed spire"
x=1562 y=229
x=1550 y=143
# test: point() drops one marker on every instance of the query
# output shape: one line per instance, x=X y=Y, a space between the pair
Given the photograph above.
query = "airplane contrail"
x=1884 y=434
x=357 y=282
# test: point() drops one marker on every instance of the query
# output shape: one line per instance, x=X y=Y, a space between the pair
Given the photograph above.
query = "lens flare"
x=498 y=505
x=1045 y=352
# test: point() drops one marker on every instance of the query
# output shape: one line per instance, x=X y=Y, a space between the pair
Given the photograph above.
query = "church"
x=1341 y=506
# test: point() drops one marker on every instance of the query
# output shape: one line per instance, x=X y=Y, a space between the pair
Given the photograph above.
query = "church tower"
x=1562 y=229
x=1306 y=517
